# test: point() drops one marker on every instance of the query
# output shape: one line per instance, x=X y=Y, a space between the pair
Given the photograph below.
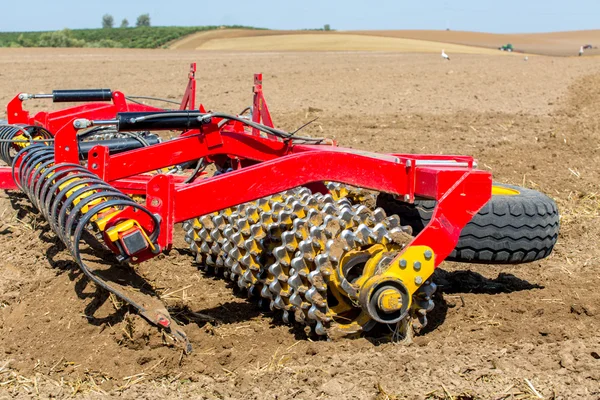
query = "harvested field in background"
x=554 y=44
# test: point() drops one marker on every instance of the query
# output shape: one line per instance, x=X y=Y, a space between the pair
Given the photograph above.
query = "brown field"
x=533 y=123
x=554 y=44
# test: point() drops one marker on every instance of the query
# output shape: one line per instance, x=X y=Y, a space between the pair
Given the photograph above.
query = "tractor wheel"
x=517 y=225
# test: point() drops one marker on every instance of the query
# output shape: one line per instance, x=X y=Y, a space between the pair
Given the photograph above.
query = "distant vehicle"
x=588 y=46
x=506 y=47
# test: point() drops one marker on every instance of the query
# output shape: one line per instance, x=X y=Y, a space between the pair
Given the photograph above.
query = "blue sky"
x=508 y=16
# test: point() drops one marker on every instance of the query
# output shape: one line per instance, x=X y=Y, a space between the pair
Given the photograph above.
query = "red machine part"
x=459 y=189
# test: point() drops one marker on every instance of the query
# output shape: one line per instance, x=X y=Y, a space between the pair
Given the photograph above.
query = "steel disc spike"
x=275 y=287
x=265 y=292
x=350 y=240
x=277 y=207
x=243 y=225
x=263 y=204
x=237 y=239
x=295 y=281
x=228 y=232
x=378 y=233
x=326 y=199
x=289 y=241
x=329 y=209
x=281 y=255
x=393 y=221
x=379 y=215
x=316 y=279
x=227 y=246
x=315 y=297
x=215 y=235
x=364 y=233
x=343 y=202
x=295 y=300
x=209 y=260
x=205 y=248
x=204 y=234
x=230 y=262
x=236 y=269
x=346 y=216
x=267 y=219
x=320 y=329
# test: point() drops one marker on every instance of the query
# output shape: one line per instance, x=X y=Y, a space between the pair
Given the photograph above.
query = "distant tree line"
x=141 y=37
x=108 y=21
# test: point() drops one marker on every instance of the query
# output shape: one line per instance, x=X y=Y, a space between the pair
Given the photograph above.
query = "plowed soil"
x=497 y=332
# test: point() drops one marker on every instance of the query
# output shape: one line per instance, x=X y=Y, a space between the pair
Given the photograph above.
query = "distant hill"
x=555 y=43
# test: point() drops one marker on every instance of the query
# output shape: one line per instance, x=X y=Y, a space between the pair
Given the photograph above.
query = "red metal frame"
x=189 y=96
x=459 y=189
x=260 y=110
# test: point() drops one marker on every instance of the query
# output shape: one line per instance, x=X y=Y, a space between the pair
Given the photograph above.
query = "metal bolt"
x=417 y=265
x=77 y=124
x=403 y=263
x=407 y=197
x=67 y=148
x=418 y=280
x=428 y=254
x=408 y=163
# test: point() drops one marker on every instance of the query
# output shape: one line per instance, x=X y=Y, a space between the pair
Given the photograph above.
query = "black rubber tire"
x=507 y=230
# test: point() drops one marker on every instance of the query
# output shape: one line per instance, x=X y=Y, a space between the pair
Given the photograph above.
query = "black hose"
x=196 y=171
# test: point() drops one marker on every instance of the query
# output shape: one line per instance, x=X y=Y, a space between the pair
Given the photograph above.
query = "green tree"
x=143 y=20
x=24 y=42
x=107 y=21
x=327 y=27
x=62 y=38
x=124 y=23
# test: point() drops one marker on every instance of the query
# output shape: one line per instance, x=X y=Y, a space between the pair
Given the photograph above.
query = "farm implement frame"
x=289 y=219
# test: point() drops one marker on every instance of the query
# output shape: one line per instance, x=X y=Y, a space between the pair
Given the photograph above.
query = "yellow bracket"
x=22 y=141
x=101 y=223
x=387 y=295
x=413 y=267
x=113 y=232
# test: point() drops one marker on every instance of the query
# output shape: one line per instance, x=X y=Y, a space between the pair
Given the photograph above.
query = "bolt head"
x=428 y=254
x=418 y=280
x=403 y=263
x=417 y=265
x=407 y=197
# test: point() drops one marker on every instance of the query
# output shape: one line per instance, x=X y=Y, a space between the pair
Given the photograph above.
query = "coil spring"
x=70 y=197
x=8 y=133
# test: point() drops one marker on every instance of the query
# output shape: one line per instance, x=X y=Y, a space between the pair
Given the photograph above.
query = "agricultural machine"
x=336 y=239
